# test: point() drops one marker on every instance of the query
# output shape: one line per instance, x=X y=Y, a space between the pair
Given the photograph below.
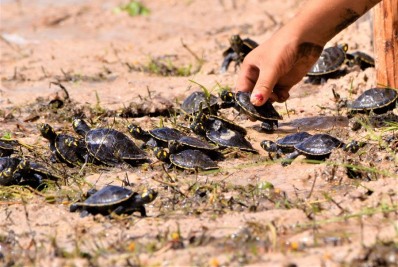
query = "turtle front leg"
x=289 y=158
x=142 y=211
x=268 y=125
x=227 y=60
x=119 y=210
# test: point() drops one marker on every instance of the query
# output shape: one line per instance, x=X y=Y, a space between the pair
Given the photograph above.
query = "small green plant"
x=166 y=68
x=6 y=135
x=133 y=8
x=390 y=127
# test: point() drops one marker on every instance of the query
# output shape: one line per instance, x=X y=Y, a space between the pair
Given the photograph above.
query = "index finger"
x=247 y=78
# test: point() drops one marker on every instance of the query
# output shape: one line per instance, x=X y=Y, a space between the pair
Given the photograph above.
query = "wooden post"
x=385 y=30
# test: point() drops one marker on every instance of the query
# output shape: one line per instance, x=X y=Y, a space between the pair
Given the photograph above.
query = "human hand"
x=272 y=68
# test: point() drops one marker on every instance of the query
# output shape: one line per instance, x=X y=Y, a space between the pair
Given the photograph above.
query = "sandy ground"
x=314 y=216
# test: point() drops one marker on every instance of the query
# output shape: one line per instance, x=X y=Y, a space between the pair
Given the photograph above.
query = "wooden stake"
x=385 y=30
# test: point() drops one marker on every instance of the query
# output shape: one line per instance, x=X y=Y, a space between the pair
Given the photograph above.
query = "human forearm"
x=321 y=20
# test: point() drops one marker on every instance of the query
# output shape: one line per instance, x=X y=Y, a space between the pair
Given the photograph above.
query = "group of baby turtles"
x=20 y=171
x=197 y=147
x=329 y=65
x=213 y=132
x=102 y=145
x=319 y=146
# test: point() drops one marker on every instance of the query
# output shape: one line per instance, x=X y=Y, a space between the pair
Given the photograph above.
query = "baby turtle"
x=17 y=171
x=65 y=148
x=107 y=145
x=200 y=99
x=361 y=59
x=286 y=144
x=226 y=137
x=378 y=100
x=114 y=199
x=7 y=147
x=189 y=159
x=328 y=64
x=214 y=122
x=237 y=51
x=318 y=146
x=265 y=113
x=155 y=137
x=223 y=136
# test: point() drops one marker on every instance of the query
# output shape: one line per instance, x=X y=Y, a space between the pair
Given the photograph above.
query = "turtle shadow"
x=136 y=162
x=322 y=79
x=313 y=123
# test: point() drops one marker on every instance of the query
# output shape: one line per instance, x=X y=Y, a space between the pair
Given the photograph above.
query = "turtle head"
x=228 y=99
x=149 y=195
x=161 y=154
x=173 y=146
x=80 y=126
x=344 y=47
x=352 y=146
x=227 y=96
x=269 y=146
x=235 y=41
x=6 y=174
x=198 y=128
x=135 y=131
x=47 y=131
x=23 y=165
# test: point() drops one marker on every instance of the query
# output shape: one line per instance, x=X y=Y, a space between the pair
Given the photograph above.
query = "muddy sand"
x=119 y=69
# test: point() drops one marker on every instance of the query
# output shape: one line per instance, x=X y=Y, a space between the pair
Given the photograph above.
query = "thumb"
x=263 y=88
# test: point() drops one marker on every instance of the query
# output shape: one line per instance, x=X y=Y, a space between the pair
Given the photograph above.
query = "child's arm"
x=275 y=66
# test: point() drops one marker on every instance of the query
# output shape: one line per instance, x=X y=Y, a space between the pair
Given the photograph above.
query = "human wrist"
x=294 y=36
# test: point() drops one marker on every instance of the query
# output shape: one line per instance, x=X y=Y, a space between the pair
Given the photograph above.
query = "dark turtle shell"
x=166 y=134
x=265 y=112
x=107 y=145
x=191 y=142
x=112 y=147
x=377 y=99
x=210 y=122
x=192 y=159
x=289 y=141
x=66 y=148
x=7 y=147
x=329 y=61
x=198 y=99
x=155 y=137
x=318 y=145
x=39 y=170
x=72 y=150
x=226 y=137
x=116 y=199
x=107 y=196
x=213 y=122
x=238 y=50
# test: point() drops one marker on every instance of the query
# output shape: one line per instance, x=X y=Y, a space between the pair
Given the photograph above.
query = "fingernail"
x=257 y=99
